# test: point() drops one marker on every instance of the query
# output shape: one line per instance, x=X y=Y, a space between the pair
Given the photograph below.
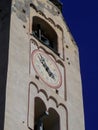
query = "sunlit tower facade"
x=43 y=81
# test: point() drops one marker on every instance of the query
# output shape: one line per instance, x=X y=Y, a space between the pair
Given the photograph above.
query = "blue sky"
x=82 y=19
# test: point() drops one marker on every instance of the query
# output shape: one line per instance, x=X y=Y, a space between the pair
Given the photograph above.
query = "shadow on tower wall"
x=5 y=7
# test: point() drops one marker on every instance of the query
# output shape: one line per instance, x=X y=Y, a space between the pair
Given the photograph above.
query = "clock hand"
x=42 y=60
x=50 y=73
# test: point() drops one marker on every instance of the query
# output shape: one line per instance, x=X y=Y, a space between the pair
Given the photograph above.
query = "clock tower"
x=43 y=82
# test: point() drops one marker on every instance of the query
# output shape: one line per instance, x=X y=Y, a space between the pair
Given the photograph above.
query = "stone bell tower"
x=43 y=86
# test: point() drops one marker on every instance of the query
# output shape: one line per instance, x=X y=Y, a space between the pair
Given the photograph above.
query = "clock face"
x=46 y=68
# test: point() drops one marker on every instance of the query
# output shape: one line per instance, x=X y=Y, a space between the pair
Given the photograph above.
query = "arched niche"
x=45 y=108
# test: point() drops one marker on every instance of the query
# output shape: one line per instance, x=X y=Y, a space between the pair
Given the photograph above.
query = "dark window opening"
x=45 y=120
x=45 y=33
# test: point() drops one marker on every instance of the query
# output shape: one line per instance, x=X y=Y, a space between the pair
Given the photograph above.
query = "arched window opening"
x=45 y=33
x=45 y=120
x=40 y=114
x=52 y=122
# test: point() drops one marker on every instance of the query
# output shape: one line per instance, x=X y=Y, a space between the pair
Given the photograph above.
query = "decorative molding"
x=46 y=5
x=47 y=50
x=44 y=92
x=33 y=41
x=47 y=18
x=52 y=98
x=32 y=96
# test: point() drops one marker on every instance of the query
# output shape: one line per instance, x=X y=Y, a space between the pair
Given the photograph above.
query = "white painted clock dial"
x=46 y=68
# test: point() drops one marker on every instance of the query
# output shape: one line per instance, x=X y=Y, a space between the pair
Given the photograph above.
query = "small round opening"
x=37 y=77
x=67 y=46
x=23 y=122
x=23 y=11
x=58 y=12
x=67 y=58
x=57 y=91
x=24 y=26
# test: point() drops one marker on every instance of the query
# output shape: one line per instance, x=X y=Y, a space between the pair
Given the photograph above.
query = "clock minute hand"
x=50 y=73
x=42 y=60
x=48 y=70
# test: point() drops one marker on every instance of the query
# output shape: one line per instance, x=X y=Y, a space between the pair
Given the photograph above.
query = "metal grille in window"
x=45 y=34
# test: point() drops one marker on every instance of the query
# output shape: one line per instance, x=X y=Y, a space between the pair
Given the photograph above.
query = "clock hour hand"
x=50 y=73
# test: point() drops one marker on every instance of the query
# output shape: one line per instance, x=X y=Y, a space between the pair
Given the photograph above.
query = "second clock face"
x=46 y=68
